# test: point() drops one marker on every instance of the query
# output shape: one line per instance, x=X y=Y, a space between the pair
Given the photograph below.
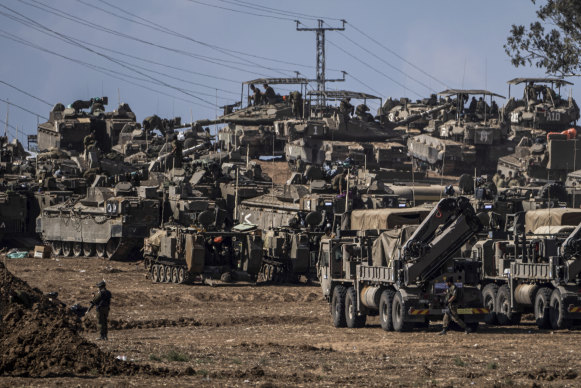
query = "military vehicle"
x=549 y=157
x=17 y=214
x=462 y=136
x=533 y=266
x=108 y=222
x=398 y=110
x=540 y=109
x=67 y=128
x=251 y=125
x=176 y=254
x=399 y=274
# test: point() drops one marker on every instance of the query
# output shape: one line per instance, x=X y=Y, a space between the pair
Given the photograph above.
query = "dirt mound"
x=40 y=337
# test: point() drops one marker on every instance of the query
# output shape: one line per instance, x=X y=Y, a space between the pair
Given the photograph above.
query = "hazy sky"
x=182 y=57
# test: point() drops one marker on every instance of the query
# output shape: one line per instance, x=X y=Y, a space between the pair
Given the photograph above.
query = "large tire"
x=398 y=311
x=557 y=312
x=338 y=307
x=385 y=303
x=504 y=314
x=543 y=308
x=351 y=317
x=489 y=293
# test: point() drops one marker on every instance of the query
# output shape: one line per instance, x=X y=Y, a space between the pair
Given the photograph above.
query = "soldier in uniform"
x=300 y=165
x=452 y=303
x=269 y=94
x=362 y=114
x=176 y=150
x=297 y=103
x=257 y=96
x=339 y=182
x=346 y=109
x=102 y=300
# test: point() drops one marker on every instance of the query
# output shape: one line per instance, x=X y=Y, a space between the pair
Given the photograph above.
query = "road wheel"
x=489 y=294
x=175 y=275
x=168 y=274
x=338 y=306
x=543 y=308
x=57 y=248
x=385 y=303
x=557 y=311
x=67 y=248
x=351 y=317
x=398 y=311
x=504 y=314
x=77 y=249
x=112 y=246
x=181 y=275
x=155 y=273
x=100 y=250
x=88 y=249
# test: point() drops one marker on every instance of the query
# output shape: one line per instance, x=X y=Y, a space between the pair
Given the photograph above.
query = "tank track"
x=272 y=271
x=115 y=249
x=169 y=273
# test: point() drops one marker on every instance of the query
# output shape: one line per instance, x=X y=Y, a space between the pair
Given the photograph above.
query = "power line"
x=239 y=11
x=23 y=92
x=23 y=108
x=373 y=68
x=364 y=84
x=283 y=12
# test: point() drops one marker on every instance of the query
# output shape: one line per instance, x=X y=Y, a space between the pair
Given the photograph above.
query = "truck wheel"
x=338 y=306
x=398 y=310
x=385 y=303
x=557 y=311
x=504 y=314
x=489 y=293
x=351 y=317
x=542 y=308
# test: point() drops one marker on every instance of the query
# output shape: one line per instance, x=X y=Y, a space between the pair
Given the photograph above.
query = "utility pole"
x=320 y=31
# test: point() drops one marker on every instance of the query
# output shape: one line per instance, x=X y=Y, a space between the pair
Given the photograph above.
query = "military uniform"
x=346 y=109
x=269 y=94
x=297 y=103
x=452 y=313
x=102 y=302
x=176 y=147
x=339 y=183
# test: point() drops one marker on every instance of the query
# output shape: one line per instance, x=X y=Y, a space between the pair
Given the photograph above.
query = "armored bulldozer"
x=108 y=223
x=541 y=109
x=533 y=266
x=175 y=254
x=67 y=128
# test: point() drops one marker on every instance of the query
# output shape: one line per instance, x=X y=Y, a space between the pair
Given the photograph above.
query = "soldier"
x=269 y=94
x=89 y=141
x=257 y=96
x=452 y=312
x=102 y=300
x=472 y=106
x=297 y=103
x=176 y=150
x=346 y=109
x=362 y=114
x=497 y=178
x=512 y=181
x=300 y=165
x=339 y=181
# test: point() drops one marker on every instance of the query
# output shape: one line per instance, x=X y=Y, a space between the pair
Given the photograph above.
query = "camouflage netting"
x=39 y=337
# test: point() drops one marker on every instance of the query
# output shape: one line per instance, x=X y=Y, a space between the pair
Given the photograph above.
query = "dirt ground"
x=245 y=335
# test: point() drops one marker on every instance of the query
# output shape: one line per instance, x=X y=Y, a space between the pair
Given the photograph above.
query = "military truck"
x=107 y=223
x=399 y=274
x=541 y=109
x=176 y=254
x=533 y=266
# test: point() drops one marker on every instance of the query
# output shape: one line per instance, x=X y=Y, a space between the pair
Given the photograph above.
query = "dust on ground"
x=245 y=335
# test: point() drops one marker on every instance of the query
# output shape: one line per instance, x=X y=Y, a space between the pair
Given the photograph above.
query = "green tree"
x=553 y=42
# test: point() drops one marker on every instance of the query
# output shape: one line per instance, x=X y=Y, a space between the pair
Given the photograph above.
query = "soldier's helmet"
x=101 y=284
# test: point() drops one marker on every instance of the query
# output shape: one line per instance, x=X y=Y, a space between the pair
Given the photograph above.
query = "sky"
x=188 y=57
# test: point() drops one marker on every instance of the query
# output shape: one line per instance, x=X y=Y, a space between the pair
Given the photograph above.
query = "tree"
x=553 y=42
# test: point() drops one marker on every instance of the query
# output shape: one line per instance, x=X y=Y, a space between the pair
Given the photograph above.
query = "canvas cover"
x=385 y=248
x=534 y=219
x=390 y=218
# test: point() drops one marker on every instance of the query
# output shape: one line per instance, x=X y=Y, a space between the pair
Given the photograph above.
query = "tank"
x=108 y=222
x=541 y=107
x=176 y=254
x=398 y=110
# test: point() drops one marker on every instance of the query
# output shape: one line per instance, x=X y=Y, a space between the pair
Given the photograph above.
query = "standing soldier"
x=269 y=94
x=102 y=300
x=297 y=103
x=346 y=109
x=257 y=96
x=452 y=303
x=176 y=150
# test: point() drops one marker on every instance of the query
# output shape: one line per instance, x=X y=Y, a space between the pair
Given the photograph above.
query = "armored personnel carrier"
x=68 y=127
x=541 y=108
x=464 y=135
x=398 y=110
x=175 y=254
x=108 y=222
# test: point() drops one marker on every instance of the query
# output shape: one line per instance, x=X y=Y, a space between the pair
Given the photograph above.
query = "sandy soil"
x=244 y=335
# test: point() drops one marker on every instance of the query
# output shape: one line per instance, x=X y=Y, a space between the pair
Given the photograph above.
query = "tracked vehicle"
x=108 y=223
